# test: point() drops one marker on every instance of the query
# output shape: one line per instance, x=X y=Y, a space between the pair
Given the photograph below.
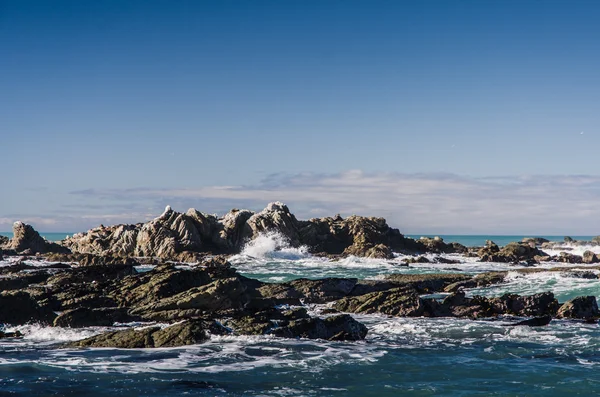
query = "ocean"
x=400 y=356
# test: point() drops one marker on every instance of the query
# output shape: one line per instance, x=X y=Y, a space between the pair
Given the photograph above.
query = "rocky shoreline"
x=90 y=279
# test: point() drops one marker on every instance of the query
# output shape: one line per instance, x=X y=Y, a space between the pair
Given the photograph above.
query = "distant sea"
x=466 y=240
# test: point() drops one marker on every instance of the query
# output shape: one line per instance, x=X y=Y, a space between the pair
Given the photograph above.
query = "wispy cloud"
x=415 y=203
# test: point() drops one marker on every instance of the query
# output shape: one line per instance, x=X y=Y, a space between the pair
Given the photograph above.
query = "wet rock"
x=88 y=317
x=20 y=307
x=590 y=257
x=92 y=273
x=582 y=307
x=339 y=328
x=16 y=334
x=532 y=305
x=533 y=322
x=438 y=246
x=188 y=333
x=402 y=302
x=418 y=259
x=27 y=239
x=426 y=283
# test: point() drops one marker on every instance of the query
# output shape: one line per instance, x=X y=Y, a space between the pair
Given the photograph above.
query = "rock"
x=584 y=274
x=511 y=253
x=20 y=307
x=533 y=322
x=565 y=257
x=16 y=334
x=187 y=333
x=3 y=241
x=536 y=241
x=426 y=283
x=418 y=259
x=338 y=327
x=568 y=239
x=438 y=246
x=309 y=291
x=217 y=296
x=532 y=305
x=596 y=240
x=590 y=257
x=582 y=307
x=402 y=302
x=87 y=317
x=26 y=238
x=231 y=231
x=275 y=218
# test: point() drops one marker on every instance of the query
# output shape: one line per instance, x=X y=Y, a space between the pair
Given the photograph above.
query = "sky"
x=453 y=117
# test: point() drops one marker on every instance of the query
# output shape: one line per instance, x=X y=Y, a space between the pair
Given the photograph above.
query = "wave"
x=273 y=245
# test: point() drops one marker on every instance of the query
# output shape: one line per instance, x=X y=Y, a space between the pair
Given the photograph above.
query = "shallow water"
x=400 y=356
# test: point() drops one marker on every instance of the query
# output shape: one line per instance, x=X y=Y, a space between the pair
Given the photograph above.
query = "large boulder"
x=27 y=240
x=511 y=253
x=582 y=307
x=590 y=257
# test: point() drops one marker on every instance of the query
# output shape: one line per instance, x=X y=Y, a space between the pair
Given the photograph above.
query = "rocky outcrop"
x=402 y=302
x=511 y=253
x=275 y=218
x=26 y=240
x=582 y=307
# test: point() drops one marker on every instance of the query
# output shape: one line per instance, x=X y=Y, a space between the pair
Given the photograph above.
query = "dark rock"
x=536 y=241
x=87 y=317
x=418 y=259
x=532 y=305
x=584 y=274
x=582 y=307
x=568 y=239
x=340 y=328
x=310 y=291
x=511 y=253
x=402 y=301
x=20 y=307
x=533 y=322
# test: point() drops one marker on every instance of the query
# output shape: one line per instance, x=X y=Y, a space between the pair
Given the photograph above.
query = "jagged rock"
x=275 y=218
x=187 y=333
x=426 y=283
x=87 y=317
x=590 y=257
x=27 y=239
x=231 y=228
x=3 y=241
x=119 y=240
x=339 y=327
x=20 y=307
x=263 y=321
x=582 y=307
x=402 y=301
x=92 y=273
x=418 y=259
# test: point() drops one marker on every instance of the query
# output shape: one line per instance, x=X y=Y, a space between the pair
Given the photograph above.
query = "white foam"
x=273 y=245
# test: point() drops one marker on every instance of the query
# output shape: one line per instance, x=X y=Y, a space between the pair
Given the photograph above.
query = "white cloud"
x=415 y=203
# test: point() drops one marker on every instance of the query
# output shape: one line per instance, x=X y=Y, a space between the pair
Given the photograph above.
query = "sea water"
x=400 y=356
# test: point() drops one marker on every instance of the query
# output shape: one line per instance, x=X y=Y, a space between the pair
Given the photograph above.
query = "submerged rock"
x=533 y=322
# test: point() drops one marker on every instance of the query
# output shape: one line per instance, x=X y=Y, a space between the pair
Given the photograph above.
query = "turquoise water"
x=53 y=236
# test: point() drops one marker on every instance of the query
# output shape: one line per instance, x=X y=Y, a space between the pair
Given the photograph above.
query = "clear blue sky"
x=101 y=97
